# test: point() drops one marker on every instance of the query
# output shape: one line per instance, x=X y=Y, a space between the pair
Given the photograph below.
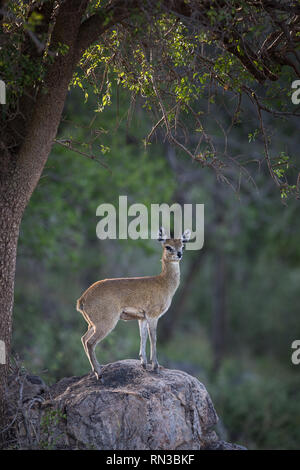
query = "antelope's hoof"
x=143 y=361
x=98 y=375
x=155 y=367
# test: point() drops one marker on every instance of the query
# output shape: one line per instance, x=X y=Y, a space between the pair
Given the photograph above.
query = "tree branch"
x=68 y=144
x=92 y=28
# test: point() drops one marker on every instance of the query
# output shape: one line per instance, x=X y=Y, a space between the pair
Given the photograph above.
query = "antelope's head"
x=173 y=247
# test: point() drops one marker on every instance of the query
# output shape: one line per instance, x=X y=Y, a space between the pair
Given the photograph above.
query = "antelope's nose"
x=179 y=254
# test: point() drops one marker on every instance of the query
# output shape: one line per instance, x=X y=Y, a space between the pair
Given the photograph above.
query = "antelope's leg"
x=152 y=325
x=86 y=336
x=91 y=344
x=144 y=336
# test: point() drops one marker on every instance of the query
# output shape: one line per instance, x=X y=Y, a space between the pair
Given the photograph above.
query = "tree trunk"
x=16 y=189
x=20 y=171
x=9 y=230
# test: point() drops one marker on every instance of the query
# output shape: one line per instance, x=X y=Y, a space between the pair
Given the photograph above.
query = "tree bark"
x=9 y=231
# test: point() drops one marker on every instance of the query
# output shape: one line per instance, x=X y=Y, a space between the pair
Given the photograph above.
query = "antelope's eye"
x=169 y=248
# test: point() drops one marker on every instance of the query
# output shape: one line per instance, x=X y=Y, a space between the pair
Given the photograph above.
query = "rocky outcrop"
x=131 y=408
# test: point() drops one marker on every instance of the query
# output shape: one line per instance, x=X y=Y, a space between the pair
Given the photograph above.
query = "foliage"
x=172 y=55
x=262 y=392
x=49 y=429
x=172 y=64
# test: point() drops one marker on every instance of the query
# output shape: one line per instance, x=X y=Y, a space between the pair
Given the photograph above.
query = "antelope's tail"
x=80 y=308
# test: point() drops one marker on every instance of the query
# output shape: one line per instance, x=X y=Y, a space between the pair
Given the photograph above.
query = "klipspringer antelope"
x=145 y=299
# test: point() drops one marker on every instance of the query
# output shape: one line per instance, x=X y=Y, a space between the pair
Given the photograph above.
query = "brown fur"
x=145 y=299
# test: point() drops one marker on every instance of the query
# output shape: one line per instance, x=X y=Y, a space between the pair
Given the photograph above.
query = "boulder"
x=130 y=409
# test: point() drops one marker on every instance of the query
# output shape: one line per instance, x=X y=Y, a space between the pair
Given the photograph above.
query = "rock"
x=130 y=409
x=24 y=387
x=222 y=445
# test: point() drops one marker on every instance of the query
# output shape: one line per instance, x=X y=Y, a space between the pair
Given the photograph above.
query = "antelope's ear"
x=162 y=236
x=186 y=236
